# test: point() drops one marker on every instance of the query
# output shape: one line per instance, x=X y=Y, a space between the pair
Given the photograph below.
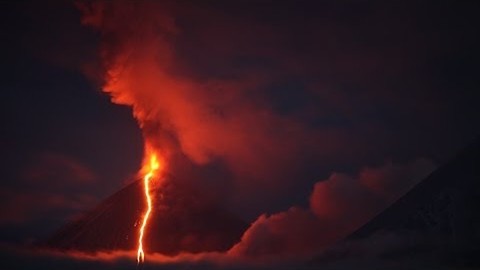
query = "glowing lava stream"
x=151 y=172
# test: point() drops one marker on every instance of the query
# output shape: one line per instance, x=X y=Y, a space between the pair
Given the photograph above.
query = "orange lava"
x=151 y=172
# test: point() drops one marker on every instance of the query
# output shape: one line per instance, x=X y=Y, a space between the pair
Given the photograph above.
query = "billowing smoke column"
x=227 y=119
x=136 y=55
x=129 y=81
x=179 y=113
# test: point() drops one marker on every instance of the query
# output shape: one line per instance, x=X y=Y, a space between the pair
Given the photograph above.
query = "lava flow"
x=151 y=172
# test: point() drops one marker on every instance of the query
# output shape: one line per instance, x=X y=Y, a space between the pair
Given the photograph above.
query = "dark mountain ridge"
x=439 y=217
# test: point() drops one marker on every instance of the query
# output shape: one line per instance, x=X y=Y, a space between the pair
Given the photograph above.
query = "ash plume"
x=228 y=118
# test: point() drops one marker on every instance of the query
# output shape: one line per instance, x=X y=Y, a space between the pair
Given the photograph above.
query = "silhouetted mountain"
x=181 y=220
x=439 y=216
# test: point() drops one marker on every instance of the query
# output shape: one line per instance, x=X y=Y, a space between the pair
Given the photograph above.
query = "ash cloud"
x=255 y=94
x=204 y=120
x=212 y=86
x=227 y=95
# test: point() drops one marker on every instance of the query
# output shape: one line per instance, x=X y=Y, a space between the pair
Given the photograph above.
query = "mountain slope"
x=182 y=220
x=441 y=214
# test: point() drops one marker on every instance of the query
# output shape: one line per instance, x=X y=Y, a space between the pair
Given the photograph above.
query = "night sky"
x=320 y=89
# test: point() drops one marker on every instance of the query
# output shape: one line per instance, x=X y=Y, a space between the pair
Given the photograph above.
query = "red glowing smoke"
x=205 y=119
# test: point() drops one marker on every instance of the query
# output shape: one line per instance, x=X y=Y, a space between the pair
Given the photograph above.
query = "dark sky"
x=57 y=123
x=383 y=80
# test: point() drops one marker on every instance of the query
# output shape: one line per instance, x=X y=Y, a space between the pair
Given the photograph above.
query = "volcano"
x=439 y=217
x=182 y=221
